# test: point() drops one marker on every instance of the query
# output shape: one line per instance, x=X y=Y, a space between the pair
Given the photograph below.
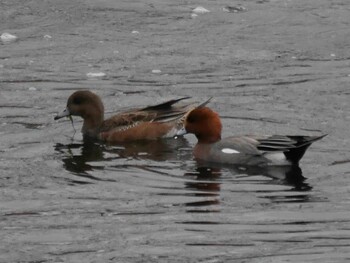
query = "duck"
x=148 y=123
x=245 y=150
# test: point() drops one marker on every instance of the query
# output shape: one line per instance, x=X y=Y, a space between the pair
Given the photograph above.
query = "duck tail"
x=188 y=111
x=204 y=103
x=302 y=144
x=165 y=105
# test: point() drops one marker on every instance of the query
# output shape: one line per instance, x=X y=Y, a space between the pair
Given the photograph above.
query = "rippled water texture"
x=270 y=66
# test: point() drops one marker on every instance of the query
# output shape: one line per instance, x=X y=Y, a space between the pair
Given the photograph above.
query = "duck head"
x=204 y=123
x=87 y=105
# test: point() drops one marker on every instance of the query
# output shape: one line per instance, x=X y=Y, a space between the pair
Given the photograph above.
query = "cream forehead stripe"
x=229 y=151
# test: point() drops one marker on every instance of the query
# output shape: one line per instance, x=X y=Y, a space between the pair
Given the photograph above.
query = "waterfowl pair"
x=149 y=123
x=248 y=150
x=167 y=120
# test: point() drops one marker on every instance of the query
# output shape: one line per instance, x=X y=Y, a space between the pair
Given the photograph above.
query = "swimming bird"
x=149 y=123
x=250 y=150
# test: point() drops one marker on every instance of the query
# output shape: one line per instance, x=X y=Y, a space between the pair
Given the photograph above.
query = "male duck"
x=247 y=150
x=149 y=123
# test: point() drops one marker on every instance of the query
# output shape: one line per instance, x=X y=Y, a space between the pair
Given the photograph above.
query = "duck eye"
x=191 y=119
x=77 y=100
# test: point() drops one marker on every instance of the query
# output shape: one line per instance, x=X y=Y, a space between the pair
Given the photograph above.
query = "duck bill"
x=181 y=132
x=62 y=114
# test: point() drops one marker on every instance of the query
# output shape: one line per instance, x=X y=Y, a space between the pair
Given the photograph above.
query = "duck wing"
x=293 y=147
x=285 y=143
x=167 y=112
x=163 y=112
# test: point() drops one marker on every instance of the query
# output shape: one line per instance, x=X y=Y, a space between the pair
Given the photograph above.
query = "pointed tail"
x=302 y=143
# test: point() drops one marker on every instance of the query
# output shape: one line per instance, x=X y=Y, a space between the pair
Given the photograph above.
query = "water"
x=278 y=67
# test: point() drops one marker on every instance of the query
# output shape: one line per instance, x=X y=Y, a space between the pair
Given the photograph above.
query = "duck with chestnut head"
x=250 y=150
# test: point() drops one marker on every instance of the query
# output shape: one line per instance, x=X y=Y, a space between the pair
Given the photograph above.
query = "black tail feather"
x=302 y=143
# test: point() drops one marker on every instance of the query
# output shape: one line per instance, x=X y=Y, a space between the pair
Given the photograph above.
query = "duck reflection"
x=282 y=175
x=206 y=185
x=77 y=155
x=208 y=179
x=78 y=158
x=286 y=175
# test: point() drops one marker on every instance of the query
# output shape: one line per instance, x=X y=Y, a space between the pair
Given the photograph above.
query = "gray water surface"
x=275 y=67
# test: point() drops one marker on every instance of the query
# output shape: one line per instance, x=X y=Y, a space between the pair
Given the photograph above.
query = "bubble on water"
x=8 y=38
x=200 y=10
x=135 y=32
x=156 y=71
x=95 y=74
x=47 y=37
x=32 y=89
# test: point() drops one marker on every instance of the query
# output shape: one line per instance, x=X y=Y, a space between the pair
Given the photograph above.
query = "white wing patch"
x=229 y=151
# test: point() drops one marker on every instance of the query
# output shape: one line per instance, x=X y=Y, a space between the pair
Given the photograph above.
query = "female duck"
x=247 y=150
x=150 y=123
